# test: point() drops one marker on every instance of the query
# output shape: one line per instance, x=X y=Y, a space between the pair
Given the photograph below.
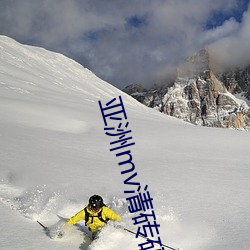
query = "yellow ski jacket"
x=94 y=223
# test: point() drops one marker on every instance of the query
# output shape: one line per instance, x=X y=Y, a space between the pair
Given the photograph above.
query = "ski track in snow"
x=36 y=205
x=40 y=204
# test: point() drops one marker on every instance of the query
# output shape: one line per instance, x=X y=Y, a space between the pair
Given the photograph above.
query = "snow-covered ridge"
x=33 y=74
x=34 y=66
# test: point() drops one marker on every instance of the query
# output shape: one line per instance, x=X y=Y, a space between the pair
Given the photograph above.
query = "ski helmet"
x=95 y=202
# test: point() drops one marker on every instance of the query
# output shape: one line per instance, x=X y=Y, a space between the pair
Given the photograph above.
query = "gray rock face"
x=237 y=81
x=200 y=97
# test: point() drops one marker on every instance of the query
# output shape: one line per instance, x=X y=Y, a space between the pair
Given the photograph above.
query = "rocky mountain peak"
x=196 y=64
x=200 y=96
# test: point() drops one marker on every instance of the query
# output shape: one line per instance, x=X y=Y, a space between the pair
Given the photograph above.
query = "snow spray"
x=139 y=200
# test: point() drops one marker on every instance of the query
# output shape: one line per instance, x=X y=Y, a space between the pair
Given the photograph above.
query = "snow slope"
x=55 y=154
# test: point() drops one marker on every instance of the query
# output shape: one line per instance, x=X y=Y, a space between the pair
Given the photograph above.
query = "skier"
x=95 y=214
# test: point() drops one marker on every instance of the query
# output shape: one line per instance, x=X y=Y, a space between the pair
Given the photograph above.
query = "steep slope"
x=55 y=154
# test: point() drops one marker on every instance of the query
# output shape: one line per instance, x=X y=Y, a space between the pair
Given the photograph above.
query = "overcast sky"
x=131 y=41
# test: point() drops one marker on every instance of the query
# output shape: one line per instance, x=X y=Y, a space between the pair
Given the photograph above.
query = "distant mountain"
x=202 y=95
x=237 y=81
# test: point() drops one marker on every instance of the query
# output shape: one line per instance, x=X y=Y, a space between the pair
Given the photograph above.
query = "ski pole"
x=150 y=239
x=45 y=228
